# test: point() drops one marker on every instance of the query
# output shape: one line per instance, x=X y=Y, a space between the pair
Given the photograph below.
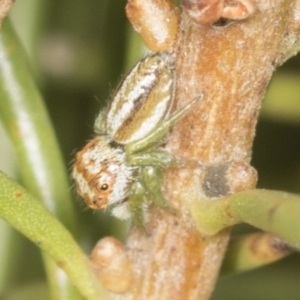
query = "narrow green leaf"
x=25 y=118
x=272 y=211
x=39 y=160
x=28 y=216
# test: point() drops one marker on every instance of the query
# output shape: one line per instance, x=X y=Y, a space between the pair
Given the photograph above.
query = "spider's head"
x=101 y=176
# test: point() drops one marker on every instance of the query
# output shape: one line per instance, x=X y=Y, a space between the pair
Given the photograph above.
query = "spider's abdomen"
x=142 y=100
x=101 y=176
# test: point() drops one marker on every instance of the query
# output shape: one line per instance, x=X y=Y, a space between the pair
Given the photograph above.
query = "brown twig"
x=231 y=63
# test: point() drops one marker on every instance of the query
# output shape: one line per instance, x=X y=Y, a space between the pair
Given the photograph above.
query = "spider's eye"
x=104 y=187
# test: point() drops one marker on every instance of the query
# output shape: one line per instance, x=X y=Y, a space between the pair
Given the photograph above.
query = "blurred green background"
x=78 y=51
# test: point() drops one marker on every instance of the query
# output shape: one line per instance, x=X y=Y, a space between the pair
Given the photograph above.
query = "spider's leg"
x=154 y=157
x=137 y=203
x=100 y=123
x=152 y=178
x=155 y=136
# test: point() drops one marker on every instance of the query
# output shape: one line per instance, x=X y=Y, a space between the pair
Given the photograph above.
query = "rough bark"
x=231 y=64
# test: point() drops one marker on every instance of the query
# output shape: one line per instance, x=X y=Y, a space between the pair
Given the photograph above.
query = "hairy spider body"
x=122 y=166
x=98 y=165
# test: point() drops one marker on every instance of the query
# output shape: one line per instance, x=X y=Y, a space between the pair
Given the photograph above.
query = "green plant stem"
x=28 y=216
x=272 y=211
x=8 y=240
x=25 y=118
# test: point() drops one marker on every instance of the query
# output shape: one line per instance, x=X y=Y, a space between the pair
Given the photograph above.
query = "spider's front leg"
x=146 y=191
x=155 y=157
x=137 y=203
x=157 y=135
x=152 y=179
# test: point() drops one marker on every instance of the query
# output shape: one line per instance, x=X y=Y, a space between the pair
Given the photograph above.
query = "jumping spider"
x=122 y=166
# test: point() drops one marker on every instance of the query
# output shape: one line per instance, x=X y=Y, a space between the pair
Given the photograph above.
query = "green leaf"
x=25 y=118
x=272 y=211
x=28 y=216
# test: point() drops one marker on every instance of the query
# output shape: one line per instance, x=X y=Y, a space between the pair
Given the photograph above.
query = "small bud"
x=156 y=21
x=238 y=10
x=205 y=11
x=112 y=265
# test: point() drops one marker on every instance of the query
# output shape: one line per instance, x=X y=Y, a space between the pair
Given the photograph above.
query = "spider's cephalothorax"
x=122 y=166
